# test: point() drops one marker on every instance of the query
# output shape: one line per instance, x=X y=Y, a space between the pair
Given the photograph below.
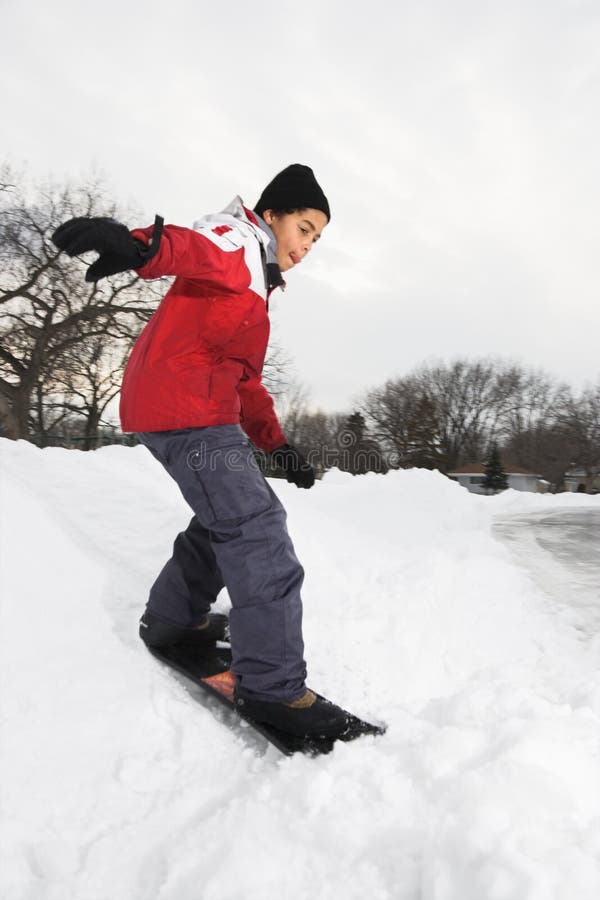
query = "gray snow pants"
x=238 y=539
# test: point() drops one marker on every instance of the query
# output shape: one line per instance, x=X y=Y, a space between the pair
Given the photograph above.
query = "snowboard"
x=210 y=669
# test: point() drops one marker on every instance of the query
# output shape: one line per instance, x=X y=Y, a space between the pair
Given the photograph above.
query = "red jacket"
x=199 y=359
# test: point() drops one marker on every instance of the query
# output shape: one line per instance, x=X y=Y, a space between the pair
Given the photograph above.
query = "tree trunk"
x=91 y=428
x=9 y=427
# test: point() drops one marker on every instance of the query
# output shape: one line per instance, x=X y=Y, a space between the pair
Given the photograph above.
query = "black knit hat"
x=294 y=188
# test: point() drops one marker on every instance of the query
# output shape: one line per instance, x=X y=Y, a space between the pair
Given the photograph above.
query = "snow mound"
x=118 y=783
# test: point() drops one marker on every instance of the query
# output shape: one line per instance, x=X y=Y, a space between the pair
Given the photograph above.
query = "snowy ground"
x=437 y=611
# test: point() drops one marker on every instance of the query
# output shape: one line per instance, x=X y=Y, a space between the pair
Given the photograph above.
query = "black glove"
x=297 y=470
x=118 y=250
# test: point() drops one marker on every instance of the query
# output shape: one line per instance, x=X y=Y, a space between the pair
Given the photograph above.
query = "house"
x=472 y=476
x=582 y=481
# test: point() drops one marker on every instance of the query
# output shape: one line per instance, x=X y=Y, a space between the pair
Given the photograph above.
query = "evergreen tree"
x=495 y=479
x=424 y=448
x=357 y=452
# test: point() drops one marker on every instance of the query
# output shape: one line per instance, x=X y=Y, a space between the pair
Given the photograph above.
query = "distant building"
x=581 y=481
x=472 y=475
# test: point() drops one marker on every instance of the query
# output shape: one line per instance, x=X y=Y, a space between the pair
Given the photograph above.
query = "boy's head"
x=297 y=211
x=294 y=188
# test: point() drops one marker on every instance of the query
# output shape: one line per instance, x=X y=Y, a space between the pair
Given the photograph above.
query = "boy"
x=192 y=383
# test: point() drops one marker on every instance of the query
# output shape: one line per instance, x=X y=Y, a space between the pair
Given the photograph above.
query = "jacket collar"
x=266 y=238
x=274 y=276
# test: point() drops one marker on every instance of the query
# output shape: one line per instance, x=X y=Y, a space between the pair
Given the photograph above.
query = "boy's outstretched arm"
x=117 y=248
x=156 y=251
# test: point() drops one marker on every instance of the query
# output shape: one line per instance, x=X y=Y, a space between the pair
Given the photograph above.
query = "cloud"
x=457 y=144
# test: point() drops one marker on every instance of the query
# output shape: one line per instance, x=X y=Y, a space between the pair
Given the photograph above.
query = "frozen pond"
x=561 y=550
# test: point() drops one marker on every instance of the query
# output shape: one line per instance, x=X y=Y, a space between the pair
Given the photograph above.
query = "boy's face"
x=296 y=233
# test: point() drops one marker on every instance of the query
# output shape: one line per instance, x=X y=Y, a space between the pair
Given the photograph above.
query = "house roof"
x=480 y=469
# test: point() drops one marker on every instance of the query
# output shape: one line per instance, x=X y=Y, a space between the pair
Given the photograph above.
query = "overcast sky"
x=457 y=143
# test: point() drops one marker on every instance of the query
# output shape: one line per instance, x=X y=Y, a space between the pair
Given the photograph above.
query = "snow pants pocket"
x=215 y=470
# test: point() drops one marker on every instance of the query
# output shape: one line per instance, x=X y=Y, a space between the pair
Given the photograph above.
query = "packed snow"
x=419 y=611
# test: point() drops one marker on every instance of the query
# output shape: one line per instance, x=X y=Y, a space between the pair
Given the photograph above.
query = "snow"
x=117 y=783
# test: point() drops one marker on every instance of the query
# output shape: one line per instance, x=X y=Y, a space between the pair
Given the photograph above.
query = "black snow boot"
x=311 y=715
x=157 y=633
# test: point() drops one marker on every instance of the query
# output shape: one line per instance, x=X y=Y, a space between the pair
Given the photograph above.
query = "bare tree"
x=580 y=420
x=404 y=421
x=467 y=402
x=436 y=416
x=590 y=412
x=86 y=382
x=48 y=312
x=276 y=371
x=445 y=414
x=533 y=400
x=292 y=405
x=314 y=433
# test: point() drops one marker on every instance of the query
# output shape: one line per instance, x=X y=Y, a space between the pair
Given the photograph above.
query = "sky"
x=457 y=144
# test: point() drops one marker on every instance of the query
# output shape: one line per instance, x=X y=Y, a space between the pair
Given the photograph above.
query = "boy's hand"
x=297 y=470
x=118 y=250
